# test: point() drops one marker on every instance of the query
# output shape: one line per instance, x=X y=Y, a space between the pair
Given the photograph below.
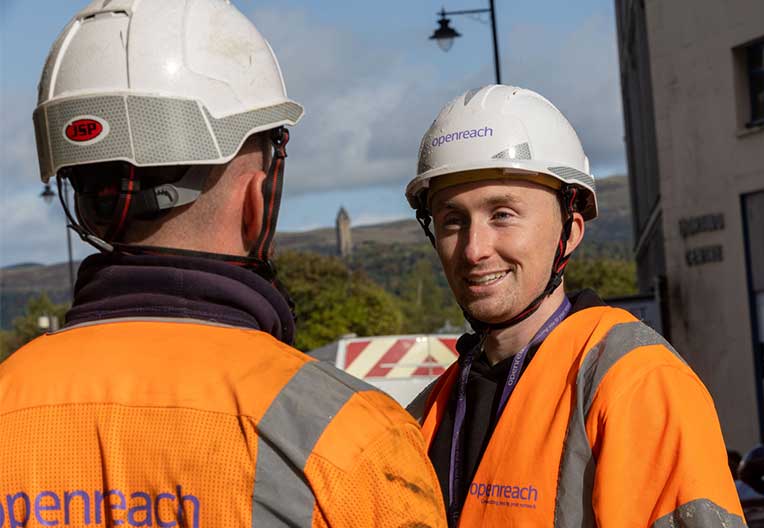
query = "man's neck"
x=505 y=343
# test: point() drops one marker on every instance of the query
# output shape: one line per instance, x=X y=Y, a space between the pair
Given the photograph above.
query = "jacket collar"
x=161 y=286
x=581 y=300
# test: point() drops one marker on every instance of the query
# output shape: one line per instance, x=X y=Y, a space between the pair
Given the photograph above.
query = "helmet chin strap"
x=568 y=195
x=271 y=189
x=133 y=201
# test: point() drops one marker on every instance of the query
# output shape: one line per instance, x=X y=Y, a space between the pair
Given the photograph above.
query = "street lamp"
x=47 y=195
x=445 y=34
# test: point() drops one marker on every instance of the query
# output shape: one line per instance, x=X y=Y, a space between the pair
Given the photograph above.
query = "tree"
x=608 y=277
x=5 y=344
x=26 y=327
x=332 y=301
x=412 y=273
x=426 y=303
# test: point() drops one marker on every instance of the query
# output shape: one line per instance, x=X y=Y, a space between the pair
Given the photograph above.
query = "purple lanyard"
x=454 y=472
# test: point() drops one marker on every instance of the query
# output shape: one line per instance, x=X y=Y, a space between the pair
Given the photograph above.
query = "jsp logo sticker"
x=86 y=130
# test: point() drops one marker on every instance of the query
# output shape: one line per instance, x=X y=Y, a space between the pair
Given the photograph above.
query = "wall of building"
x=707 y=160
x=641 y=151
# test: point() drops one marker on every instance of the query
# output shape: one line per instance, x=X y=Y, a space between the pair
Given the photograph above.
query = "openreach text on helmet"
x=463 y=134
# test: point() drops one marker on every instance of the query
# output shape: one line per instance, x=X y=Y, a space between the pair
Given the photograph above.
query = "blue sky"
x=371 y=83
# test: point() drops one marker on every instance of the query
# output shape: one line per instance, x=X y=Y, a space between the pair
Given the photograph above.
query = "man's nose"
x=478 y=243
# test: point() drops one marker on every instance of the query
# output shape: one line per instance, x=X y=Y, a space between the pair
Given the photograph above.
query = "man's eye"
x=503 y=215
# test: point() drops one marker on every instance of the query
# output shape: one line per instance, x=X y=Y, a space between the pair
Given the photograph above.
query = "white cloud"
x=367 y=106
x=577 y=70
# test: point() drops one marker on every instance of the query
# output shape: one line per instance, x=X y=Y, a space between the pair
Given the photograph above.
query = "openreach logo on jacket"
x=505 y=495
x=462 y=135
x=106 y=508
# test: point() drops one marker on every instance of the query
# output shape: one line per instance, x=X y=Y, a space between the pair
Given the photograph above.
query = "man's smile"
x=477 y=282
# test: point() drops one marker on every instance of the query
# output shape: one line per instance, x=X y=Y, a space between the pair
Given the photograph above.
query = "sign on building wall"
x=701 y=224
x=703 y=255
x=693 y=225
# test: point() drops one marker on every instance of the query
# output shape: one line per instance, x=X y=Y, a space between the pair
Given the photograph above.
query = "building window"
x=753 y=236
x=755 y=66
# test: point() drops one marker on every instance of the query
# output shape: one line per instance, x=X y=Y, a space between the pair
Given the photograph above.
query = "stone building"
x=344 y=238
x=692 y=79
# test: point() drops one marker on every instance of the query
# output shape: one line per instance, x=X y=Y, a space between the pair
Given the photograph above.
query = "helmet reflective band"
x=156 y=93
x=147 y=131
x=502 y=131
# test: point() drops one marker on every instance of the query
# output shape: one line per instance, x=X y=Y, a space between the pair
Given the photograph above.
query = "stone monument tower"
x=344 y=241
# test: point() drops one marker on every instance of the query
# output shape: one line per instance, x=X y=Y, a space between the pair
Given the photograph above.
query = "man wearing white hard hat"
x=172 y=396
x=561 y=411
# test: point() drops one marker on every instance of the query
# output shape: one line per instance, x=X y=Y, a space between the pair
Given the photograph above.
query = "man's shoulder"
x=626 y=335
x=615 y=348
x=631 y=356
x=615 y=328
x=360 y=397
x=151 y=363
x=347 y=417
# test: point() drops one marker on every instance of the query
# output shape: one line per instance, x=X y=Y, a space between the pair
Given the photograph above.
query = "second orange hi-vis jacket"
x=156 y=423
x=607 y=427
x=187 y=423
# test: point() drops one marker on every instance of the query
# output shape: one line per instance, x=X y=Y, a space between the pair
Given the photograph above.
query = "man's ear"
x=576 y=233
x=252 y=217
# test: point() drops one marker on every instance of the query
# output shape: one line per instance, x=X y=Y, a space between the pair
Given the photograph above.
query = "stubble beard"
x=495 y=307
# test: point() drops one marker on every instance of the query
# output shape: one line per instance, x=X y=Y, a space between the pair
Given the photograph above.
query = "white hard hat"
x=502 y=131
x=121 y=83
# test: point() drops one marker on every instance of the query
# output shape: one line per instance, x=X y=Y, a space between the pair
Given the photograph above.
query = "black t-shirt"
x=482 y=402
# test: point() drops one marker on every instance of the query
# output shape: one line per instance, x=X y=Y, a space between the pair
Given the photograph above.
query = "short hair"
x=97 y=186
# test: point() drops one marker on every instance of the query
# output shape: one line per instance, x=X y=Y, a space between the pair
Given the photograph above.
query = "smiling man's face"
x=496 y=240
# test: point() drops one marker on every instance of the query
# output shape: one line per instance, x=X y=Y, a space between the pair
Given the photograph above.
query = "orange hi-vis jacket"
x=188 y=424
x=607 y=427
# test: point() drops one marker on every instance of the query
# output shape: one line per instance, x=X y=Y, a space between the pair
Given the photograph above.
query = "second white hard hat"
x=502 y=131
x=121 y=83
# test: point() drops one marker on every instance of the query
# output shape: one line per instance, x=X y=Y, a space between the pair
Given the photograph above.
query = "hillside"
x=609 y=233
x=384 y=251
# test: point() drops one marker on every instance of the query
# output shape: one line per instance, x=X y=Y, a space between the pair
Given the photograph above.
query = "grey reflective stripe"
x=571 y=175
x=287 y=434
x=185 y=133
x=281 y=497
x=700 y=513
x=416 y=407
x=343 y=377
x=231 y=131
x=575 y=482
x=620 y=340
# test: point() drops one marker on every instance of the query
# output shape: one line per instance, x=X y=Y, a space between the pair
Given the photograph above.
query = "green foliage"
x=332 y=300
x=413 y=274
x=425 y=302
x=608 y=277
x=5 y=344
x=385 y=289
x=25 y=328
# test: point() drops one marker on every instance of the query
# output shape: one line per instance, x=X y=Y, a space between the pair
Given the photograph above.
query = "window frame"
x=755 y=73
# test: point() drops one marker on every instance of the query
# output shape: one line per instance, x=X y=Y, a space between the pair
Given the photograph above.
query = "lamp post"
x=445 y=34
x=47 y=195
